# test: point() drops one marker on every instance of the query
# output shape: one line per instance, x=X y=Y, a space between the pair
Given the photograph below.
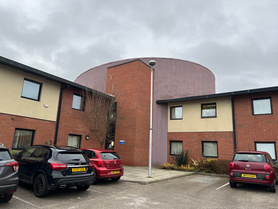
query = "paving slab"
x=139 y=174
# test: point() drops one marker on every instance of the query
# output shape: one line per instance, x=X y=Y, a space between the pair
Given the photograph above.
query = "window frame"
x=171 y=115
x=264 y=98
x=39 y=93
x=32 y=138
x=79 y=143
x=215 y=116
x=216 y=150
x=172 y=154
x=267 y=142
x=81 y=103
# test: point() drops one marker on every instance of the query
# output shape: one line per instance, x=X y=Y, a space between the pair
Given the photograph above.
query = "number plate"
x=113 y=172
x=78 y=169
x=249 y=176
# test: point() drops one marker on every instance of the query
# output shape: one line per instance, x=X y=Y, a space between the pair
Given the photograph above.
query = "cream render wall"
x=11 y=83
x=192 y=121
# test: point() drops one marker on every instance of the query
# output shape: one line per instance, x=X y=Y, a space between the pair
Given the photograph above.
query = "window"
x=266 y=147
x=175 y=147
x=208 y=110
x=262 y=106
x=176 y=113
x=31 y=90
x=23 y=138
x=210 y=149
x=74 y=140
x=78 y=102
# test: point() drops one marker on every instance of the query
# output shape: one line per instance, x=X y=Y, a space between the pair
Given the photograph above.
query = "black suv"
x=8 y=175
x=49 y=168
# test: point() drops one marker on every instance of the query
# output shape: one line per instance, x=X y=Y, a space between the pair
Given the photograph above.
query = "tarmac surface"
x=140 y=174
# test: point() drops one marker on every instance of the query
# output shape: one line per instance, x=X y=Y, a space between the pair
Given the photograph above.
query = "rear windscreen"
x=109 y=155
x=4 y=155
x=244 y=157
x=65 y=156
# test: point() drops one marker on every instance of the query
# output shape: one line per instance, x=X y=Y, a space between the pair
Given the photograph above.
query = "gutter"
x=59 y=114
x=234 y=123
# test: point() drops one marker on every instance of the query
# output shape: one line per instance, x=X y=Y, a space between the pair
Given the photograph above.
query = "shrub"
x=181 y=158
x=212 y=166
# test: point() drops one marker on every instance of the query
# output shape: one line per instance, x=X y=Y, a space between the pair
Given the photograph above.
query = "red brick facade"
x=193 y=142
x=255 y=128
x=44 y=130
x=131 y=85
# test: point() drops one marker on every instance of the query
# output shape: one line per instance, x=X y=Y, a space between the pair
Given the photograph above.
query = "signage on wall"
x=122 y=141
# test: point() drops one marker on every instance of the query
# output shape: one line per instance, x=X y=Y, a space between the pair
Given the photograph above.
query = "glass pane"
x=267 y=147
x=22 y=139
x=210 y=149
x=208 y=110
x=109 y=156
x=73 y=141
x=176 y=148
x=176 y=112
x=4 y=155
x=31 y=90
x=78 y=102
x=262 y=106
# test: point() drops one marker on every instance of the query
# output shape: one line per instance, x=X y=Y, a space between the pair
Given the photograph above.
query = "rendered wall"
x=11 y=83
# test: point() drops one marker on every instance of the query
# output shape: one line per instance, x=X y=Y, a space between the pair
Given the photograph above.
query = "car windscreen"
x=5 y=155
x=72 y=157
x=109 y=155
x=249 y=157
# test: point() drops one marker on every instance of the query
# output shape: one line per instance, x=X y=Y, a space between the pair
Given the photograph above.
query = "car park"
x=48 y=168
x=8 y=175
x=253 y=167
x=107 y=164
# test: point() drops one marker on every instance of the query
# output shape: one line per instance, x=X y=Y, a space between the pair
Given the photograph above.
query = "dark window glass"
x=23 y=138
x=176 y=113
x=78 y=102
x=210 y=149
x=90 y=154
x=28 y=152
x=109 y=156
x=175 y=147
x=208 y=110
x=40 y=153
x=4 y=155
x=31 y=90
x=262 y=106
x=244 y=157
x=72 y=157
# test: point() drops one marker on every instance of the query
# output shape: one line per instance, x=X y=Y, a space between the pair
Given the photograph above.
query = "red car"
x=107 y=164
x=253 y=167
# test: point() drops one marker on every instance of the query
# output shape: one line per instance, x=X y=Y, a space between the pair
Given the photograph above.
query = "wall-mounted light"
x=87 y=137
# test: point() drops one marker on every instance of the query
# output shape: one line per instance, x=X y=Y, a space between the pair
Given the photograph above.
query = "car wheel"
x=6 y=197
x=232 y=184
x=40 y=186
x=95 y=179
x=83 y=187
x=272 y=188
x=116 y=178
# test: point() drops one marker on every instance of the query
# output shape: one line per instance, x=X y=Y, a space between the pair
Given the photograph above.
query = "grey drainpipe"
x=58 y=114
x=234 y=123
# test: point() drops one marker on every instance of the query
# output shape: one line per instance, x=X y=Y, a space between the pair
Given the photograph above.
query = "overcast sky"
x=236 y=39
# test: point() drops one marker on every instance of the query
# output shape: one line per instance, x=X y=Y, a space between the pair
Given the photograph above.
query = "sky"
x=236 y=39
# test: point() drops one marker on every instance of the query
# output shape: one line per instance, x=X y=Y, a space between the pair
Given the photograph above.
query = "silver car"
x=8 y=175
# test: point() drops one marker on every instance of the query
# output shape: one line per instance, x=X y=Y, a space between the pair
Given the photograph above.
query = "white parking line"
x=26 y=201
x=222 y=186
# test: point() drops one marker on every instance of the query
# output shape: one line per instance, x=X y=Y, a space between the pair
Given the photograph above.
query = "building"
x=38 y=108
x=217 y=125
x=129 y=81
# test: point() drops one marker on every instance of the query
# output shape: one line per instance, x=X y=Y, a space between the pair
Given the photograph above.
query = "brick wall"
x=251 y=128
x=44 y=130
x=130 y=83
x=193 y=142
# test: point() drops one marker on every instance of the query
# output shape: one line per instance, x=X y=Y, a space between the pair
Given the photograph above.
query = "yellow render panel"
x=11 y=83
x=193 y=122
